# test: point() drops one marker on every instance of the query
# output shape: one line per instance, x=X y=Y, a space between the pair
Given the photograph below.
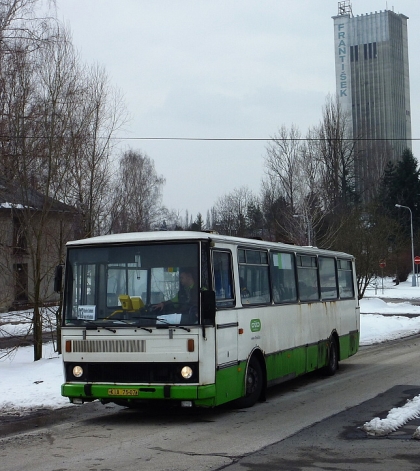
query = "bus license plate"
x=123 y=392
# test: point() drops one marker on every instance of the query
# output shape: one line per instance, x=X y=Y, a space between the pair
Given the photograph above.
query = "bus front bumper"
x=204 y=396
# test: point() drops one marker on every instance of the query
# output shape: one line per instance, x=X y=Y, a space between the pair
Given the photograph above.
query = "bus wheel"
x=254 y=384
x=332 y=365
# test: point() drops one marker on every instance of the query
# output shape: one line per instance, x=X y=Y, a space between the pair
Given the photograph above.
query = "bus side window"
x=283 y=277
x=307 y=278
x=254 y=276
x=327 y=277
x=223 y=285
x=345 y=279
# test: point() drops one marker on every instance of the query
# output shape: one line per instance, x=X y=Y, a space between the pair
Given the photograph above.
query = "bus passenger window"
x=254 y=276
x=345 y=279
x=283 y=278
x=222 y=267
x=307 y=278
x=327 y=278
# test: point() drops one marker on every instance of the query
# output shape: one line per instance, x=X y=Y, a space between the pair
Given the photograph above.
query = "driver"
x=187 y=295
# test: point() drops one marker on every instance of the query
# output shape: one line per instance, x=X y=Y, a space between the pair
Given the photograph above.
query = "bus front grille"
x=132 y=372
x=109 y=346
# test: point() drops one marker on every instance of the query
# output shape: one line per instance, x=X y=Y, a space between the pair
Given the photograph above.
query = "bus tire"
x=332 y=365
x=253 y=384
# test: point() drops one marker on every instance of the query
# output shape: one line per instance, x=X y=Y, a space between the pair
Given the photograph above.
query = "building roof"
x=14 y=195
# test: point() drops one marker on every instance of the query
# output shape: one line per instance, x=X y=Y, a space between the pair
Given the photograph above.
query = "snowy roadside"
x=19 y=323
x=26 y=385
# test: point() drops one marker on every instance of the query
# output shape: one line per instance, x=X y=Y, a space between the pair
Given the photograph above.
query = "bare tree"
x=370 y=167
x=283 y=162
x=98 y=114
x=137 y=194
x=38 y=117
x=57 y=124
x=19 y=21
x=277 y=220
x=316 y=178
x=336 y=154
x=231 y=212
x=170 y=220
x=290 y=185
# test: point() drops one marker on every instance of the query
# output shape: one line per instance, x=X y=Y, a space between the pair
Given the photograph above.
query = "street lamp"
x=306 y=219
x=413 y=279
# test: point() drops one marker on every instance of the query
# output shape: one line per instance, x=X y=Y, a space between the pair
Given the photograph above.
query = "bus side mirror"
x=58 y=278
x=208 y=306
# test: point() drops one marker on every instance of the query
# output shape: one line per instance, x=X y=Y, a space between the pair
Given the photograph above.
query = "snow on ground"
x=386 y=314
x=377 y=328
x=26 y=385
x=20 y=323
x=396 y=417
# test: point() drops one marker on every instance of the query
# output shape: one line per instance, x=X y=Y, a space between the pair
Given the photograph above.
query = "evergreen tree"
x=387 y=191
x=401 y=185
x=197 y=225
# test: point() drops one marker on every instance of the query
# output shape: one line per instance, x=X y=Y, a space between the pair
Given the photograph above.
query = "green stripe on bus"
x=230 y=383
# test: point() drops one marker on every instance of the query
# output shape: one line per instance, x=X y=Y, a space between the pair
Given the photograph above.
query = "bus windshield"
x=146 y=285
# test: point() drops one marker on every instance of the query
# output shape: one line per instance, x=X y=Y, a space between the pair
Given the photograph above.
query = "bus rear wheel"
x=332 y=366
x=253 y=384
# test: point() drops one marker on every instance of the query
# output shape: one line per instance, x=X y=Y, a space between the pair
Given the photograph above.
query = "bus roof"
x=179 y=236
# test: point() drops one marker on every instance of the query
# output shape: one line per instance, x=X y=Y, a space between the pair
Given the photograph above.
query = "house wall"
x=24 y=238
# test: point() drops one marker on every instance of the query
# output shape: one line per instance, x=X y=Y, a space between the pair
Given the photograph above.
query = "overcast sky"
x=219 y=69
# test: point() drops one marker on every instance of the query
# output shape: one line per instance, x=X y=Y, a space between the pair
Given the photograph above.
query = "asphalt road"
x=338 y=443
x=311 y=423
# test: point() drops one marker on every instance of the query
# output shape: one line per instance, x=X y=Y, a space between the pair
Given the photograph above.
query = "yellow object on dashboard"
x=130 y=304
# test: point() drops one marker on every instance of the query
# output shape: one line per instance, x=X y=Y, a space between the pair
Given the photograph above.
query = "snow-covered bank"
x=376 y=328
x=26 y=385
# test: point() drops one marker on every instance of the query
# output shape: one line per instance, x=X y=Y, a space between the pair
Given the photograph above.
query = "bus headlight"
x=186 y=372
x=77 y=371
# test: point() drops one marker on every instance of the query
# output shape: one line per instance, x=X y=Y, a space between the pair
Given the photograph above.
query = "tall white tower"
x=372 y=83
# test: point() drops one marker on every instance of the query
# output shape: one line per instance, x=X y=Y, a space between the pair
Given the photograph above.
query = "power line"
x=258 y=139
x=233 y=139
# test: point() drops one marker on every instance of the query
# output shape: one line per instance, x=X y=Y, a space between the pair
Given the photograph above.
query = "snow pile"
x=379 y=306
x=27 y=385
x=375 y=328
x=396 y=418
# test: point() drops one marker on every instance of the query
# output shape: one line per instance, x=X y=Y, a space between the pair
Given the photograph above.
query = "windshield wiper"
x=133 y=324
x=166 y=324
x=184 y=328
x=94 y=325
x=163 y=324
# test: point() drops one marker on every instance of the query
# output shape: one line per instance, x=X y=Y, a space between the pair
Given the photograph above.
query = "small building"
x=33 y=232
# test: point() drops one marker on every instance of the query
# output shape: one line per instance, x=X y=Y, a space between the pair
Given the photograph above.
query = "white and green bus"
x=254 y=314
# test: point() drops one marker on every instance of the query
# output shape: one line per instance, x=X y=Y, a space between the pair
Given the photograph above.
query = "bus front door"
x=227 y=339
